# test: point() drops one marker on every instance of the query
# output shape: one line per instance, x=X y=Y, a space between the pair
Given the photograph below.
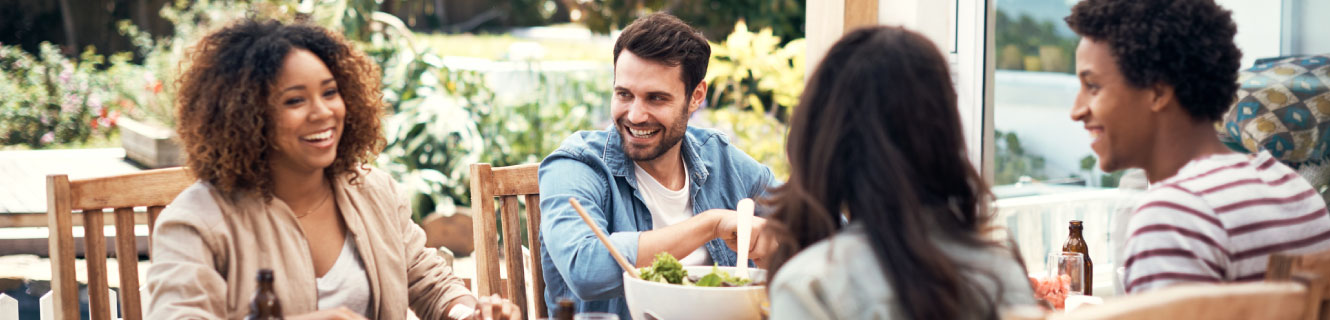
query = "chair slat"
x=509 y=184
x=516 y=180
x=152 y=188
x=1315 y=299
x=64 y=287
x=485 y=231
x=1280 y=266
x=127 y=254
x=533 y=240
x=512 y=246
x=1250 y=300
x=94 y=249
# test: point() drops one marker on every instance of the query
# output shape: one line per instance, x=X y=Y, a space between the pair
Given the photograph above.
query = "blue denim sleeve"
x=762 y=182
x=587 y=266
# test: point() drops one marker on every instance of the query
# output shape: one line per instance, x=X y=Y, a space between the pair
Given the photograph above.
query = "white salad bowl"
x=677 y=302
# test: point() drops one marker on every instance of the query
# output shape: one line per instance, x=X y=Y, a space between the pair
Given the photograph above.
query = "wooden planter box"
x=453 y=232
x=150 y=145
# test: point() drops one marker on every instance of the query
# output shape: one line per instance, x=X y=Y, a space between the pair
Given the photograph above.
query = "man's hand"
x=341 y=313
x=727 y=229
x=495 y=307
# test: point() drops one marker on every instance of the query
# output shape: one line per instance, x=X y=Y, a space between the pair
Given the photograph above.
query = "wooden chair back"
x=1312 y=269
x=508 y=183
x=1249 y=300
x=153 y=189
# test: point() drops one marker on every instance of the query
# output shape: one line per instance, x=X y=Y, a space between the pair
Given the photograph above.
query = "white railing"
x=1038 y=224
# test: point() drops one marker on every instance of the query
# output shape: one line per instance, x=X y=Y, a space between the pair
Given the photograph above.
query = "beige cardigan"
x=207 y=249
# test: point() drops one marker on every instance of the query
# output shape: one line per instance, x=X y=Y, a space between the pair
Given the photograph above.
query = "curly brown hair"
x=223 y=108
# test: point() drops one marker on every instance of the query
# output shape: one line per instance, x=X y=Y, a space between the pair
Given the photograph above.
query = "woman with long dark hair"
x=882 y=215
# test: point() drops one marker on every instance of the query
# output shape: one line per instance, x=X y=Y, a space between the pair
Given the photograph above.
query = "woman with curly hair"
x=882 y=217
x=279 y=123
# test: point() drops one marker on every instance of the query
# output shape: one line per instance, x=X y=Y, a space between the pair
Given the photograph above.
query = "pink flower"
x=70 y=105
x=151 y=83
x=48 y=137
x=95 y=101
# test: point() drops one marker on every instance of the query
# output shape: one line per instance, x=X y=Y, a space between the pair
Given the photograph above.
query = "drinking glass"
x=1071 y=264
x=596 y=316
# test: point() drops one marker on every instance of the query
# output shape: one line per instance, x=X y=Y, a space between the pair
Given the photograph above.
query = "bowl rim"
x=627 y=277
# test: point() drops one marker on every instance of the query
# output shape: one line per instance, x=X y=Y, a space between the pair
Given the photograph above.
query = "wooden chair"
x=1249 y=300
x=508 y=183
x=153 y=189
x=1312 y=269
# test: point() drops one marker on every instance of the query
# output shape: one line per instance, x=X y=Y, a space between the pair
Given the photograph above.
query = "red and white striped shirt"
x=1219 y=219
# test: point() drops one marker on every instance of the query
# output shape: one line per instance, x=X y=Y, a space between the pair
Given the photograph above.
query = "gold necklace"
x=316 y=207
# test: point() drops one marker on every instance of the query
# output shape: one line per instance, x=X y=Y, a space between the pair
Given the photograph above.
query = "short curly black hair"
x=1185 y=43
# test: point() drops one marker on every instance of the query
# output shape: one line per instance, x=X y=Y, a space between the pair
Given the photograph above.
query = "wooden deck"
x=23 y=178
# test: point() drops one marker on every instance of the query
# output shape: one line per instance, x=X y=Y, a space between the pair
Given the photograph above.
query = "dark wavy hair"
x=877 y=139
x=662 y=38
x=224 y=105
x=1187 y=44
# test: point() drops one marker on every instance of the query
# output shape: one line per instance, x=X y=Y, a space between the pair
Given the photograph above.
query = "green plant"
x=49 y=99
x=755 y=84
x=753 y=70
x=533 y=126
x=1011 y=162
x=1030 y=45
x=1107 y=180
x=714 y=17
x=148 y=88
x=444 y=120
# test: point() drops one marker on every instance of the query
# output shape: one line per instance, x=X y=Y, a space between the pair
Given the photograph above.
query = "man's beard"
x=669 y=137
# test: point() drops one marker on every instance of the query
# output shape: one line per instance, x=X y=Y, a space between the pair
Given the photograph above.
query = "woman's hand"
x=495 y=307
x=341 y=313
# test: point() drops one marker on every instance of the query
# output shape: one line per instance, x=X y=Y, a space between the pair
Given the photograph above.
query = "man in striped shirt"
x=1155 y=76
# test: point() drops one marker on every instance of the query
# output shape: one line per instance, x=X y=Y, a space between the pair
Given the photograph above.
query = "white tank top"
x=346 y=284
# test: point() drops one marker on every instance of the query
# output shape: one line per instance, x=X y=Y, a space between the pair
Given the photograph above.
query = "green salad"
x=667 y=269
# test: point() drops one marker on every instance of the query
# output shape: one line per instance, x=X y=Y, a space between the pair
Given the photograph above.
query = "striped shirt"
x=1219 y=219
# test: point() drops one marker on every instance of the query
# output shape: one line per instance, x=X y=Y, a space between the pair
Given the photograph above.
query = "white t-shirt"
x=346 y=284
x=669 y=207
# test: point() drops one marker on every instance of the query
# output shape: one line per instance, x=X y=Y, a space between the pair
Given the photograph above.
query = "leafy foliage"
x=149 y=88
x=1107 y=180
x=444 y=120
x=1012 y=163
x=755 y=84
x=1030 y=45
x=533 y=126
x=49 y=99
x=713 y=17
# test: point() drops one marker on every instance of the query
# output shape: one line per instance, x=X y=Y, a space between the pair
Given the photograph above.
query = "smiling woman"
x=279 y=123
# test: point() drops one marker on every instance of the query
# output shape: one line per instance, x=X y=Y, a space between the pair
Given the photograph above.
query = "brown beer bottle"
x=1076 y=243
x=265 y=306
x=565 y=311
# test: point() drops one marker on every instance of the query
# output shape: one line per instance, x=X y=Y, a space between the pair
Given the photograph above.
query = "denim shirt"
x=591 y=166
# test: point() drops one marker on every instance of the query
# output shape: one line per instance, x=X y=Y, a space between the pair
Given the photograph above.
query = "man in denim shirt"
x=649 y=181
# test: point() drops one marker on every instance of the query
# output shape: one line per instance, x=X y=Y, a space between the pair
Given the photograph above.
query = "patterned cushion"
x=1283 y=107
